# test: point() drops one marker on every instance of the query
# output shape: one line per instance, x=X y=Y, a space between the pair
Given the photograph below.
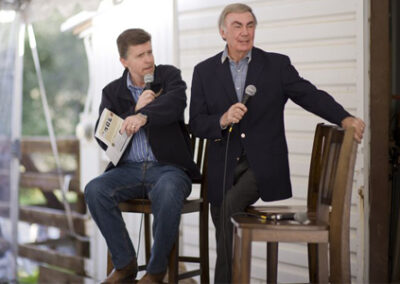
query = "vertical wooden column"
x=379 y=190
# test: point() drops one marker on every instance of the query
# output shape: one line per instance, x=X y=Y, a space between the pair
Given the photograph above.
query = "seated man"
x=157 y=164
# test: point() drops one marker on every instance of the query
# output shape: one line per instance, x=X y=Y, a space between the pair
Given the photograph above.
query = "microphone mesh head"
x=250 y=90
x=148 y=78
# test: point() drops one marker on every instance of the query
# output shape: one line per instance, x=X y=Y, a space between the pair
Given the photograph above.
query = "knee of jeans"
x=91 y=191
x=172 y=192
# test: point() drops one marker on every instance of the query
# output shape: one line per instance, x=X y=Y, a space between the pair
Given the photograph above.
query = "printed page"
x=108 y=132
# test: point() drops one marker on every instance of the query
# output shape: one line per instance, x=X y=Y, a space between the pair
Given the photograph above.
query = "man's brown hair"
x=131 y=37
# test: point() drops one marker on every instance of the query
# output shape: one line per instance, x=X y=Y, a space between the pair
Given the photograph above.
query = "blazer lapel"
x=253 y=73
x=225 y=76
x=255 y=68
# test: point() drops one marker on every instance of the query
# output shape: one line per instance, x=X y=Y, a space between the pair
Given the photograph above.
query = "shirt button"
x=243 y=135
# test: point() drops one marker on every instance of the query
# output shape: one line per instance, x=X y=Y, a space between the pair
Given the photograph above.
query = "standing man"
x=257 y=161
x=157 y=164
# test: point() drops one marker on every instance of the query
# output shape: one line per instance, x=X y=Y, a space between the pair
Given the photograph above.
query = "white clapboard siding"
x=324 y=40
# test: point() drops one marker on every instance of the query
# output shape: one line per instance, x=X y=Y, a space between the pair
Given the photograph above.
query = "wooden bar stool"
x=200 y=205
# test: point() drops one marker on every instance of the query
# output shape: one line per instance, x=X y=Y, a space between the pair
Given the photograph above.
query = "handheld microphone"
x=249 y=92
x=148 y=79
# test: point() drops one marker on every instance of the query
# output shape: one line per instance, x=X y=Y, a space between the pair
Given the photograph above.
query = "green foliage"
x=31 y=196
x=25 y=278
x=64 y=70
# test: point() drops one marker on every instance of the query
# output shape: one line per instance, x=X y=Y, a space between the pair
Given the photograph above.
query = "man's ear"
x=123 y=62
x=222 y=33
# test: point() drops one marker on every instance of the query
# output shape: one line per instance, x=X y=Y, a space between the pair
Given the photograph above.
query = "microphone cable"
x=143 y=194
x=147 y=132
x=222 y=217
x=250 y=91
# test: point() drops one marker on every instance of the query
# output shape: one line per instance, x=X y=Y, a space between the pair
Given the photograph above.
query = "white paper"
x=108 y=132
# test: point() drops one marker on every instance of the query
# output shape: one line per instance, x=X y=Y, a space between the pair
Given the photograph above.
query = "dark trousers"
x=243 y=193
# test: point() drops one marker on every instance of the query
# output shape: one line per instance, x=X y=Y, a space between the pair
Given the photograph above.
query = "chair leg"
x=110 y=265
x=203 y=253
x=312 y=262
x=236 y=256
x=245 y=255
x=147 y=237
x=272 y=262
x=340 y=267
x=318 y=263
x=173 y=264
x=322 y=264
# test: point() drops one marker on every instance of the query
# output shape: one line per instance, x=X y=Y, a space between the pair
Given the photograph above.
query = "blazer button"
x=243 y=135
x=238 y=158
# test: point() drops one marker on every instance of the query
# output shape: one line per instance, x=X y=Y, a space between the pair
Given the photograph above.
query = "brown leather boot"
x=152 y=278
x=123 y=275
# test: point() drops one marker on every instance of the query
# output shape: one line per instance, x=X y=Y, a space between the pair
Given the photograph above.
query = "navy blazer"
x=261 y=132
x=165 y=128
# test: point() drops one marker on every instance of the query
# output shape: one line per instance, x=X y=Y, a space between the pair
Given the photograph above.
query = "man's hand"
x=358 y=125
x=233 y=115
x=133 y=123
x=144 y=99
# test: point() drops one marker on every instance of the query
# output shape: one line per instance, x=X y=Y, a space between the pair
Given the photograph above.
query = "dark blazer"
x=261 y=132
x=166 y=130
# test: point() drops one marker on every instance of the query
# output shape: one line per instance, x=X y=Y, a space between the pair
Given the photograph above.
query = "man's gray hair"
x=234 y=8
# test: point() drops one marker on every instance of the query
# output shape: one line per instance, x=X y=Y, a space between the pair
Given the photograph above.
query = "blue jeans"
x=166 y=186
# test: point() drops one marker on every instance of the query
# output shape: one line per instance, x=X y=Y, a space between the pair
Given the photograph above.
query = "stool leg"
x=245 y=253
x=203 y=237
x=236 y=256
x=147 y=237
x=272 y=262
x=173 y=263
x=110 y=265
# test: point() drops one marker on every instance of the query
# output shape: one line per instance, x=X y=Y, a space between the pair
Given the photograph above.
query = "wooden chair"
x=200 y=205
x=316 y=164
x=328 y=212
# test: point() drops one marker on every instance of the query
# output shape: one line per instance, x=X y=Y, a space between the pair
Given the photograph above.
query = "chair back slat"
x=319 y=159
x=200 y=154
x=329 y=168
x=199 y=150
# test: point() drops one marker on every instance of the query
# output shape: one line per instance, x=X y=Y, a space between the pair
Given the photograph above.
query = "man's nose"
x=245 y=30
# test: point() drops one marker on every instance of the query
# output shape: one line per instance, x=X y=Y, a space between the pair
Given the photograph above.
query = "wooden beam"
x=42 y=145
x=379 y=190
x=70 y=262
x=80 y=247
x=46 y=181
x=52 y=217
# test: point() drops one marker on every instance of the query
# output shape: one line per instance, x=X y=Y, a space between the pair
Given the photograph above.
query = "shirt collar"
x=225 y=55
x=130 y=84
